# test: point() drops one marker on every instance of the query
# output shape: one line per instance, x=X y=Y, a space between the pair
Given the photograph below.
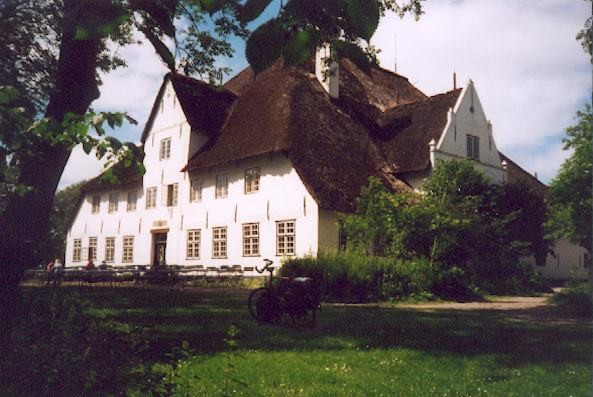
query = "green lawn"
x=353 y=351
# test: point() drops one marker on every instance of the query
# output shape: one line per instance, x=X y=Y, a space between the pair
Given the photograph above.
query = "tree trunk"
x=25 y=218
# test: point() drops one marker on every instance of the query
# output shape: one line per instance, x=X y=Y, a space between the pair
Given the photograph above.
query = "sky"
x=530 y=73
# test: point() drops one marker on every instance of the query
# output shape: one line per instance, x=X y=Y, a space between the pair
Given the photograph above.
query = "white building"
x=261 y=167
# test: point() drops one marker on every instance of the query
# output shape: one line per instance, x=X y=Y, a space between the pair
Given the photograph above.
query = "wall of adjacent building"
x=568 y=261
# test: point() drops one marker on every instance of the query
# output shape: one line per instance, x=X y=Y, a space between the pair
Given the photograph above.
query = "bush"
x=358 y=278
x=575 y=299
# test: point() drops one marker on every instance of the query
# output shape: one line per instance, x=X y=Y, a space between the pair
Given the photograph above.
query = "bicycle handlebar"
x=268 y=263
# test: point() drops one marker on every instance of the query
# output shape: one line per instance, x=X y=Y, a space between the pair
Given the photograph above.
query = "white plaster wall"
x=568 y=262
x=462 y=121
x=329 y=237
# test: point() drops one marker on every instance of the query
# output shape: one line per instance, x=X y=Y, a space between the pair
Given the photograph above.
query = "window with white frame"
x=151 y=197
x=76 y=250
x=222 y=185
x=195 y=190
x=251 y=239
x=96 y=204
x=170 y=194
x=113 y=199
x=128 y=249
x=109 y=249
x=473 y=147
x=285 y=235
x=165 y=149
x=219 y=242
x=193 y=244
x=252 y=180
x=132 y=198
x=93 y=248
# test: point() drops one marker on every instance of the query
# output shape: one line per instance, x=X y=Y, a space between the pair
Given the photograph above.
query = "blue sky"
x=530 y=72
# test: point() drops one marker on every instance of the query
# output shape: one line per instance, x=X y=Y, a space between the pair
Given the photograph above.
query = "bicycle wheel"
x=264 y=306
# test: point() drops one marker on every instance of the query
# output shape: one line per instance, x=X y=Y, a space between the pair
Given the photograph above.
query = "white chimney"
x=327 y=70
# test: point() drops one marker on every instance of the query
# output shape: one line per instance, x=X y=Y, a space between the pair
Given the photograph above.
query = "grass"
x=353 y=351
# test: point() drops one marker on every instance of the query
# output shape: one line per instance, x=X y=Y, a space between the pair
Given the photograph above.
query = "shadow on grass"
x=202 y=317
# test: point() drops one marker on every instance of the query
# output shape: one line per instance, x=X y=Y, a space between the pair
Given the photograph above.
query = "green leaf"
x=87 y=147
x=114 y=143
x=301 y=47
x=211 y=6
x=363 y=17
x=264 y=46
x=8 y=94
x=252 y=9
x=354 y=53
x=99 y=20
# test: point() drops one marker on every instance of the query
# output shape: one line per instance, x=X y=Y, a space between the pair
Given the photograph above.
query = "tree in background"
x=570 y=191
x=585 y=36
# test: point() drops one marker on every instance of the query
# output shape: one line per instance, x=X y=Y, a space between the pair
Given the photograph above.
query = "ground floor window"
x=193 y=244
x=76 y=250
x=109 y=249
x=251 y=239
x=219 y=242
x=128 y=249
x=93 y=249
x=285 y=237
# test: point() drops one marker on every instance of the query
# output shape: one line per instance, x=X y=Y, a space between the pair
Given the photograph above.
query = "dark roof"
x=404 y=132
x=286 y=110
x=125 y=177
x=516 y=174
x=206 y=107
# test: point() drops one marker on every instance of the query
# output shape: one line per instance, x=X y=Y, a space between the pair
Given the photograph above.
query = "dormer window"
x=222 y=185
x=252 y=180
x=195 y=190
x=113 y=200
x=165 y=149
x=473 y=147
x=96 y=204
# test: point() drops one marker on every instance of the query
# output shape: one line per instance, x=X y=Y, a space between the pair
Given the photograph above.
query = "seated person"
x=90 y=265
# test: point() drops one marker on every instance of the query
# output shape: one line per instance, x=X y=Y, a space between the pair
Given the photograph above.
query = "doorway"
x=159 y=249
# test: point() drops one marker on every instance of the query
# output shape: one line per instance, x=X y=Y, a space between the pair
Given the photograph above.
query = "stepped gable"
x=403 y=132
x=206 y=107
x=286 y=110
x=516 y=174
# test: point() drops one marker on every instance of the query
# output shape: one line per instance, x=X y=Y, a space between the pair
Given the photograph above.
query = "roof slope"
x=404 y=132
x=287 y=110
x=516 y=174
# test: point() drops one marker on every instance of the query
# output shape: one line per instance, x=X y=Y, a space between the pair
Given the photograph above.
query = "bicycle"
x=298 y=297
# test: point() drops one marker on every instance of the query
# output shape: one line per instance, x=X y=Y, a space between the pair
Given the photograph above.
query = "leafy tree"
x=585 y=36
x=570 y=191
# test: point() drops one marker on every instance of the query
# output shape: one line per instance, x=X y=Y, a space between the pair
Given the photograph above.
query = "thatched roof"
x=125 y=177
x=286 y=110
x=516 y=174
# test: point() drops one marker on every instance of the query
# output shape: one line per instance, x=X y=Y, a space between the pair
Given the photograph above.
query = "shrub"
x=575 y=299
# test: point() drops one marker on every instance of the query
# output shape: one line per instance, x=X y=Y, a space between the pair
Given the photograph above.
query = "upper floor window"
x=252 y=180
x=195 y=190
x=96 y=204
x=170 y=194
x=219 y=242
x=113 y=199
x=473 y=147
x=165 y=149
x=131 y=201
x=151 y=197
x=285 y=236
x=76 y=250
x=222 y=185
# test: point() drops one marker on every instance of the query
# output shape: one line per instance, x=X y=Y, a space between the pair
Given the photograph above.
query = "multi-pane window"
x=473 y=147
x=165 y=149
x=222 y=185
x=285 y=234
x=128 y=249
x=251 y=239
x=109 y=249
x=151 y=197
x=96 y=204
x=113 y=199
x=93 y=248
x=132 y=198
x=195 y=190
x=219 y=242
x=170 y=193
x=193 y=244
x=77 y=248
x=252 y=180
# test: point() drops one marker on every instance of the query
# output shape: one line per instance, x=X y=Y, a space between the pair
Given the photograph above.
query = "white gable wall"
x=468 y=117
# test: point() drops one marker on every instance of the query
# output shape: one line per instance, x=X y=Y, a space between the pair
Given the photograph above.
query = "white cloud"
x=531 y=73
